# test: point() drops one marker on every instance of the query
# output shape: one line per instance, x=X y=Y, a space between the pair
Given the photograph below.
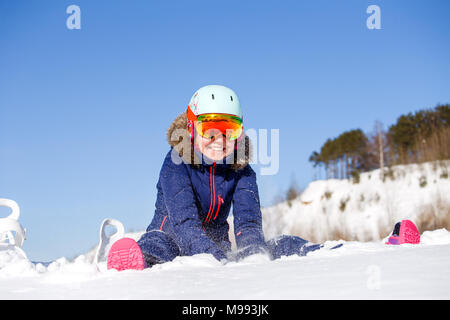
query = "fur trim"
x=179 y=138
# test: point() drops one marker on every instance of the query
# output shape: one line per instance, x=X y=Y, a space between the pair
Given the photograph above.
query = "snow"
x=363 y=268
x=371 y=270
x=368 y=210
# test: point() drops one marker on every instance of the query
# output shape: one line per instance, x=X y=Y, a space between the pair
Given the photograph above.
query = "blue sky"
x=83 y=113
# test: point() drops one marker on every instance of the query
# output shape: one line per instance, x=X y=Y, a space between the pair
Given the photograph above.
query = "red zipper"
x=218 y=206
x=212 y=204
x=162 y=223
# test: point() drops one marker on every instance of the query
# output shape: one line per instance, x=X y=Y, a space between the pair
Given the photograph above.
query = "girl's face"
x=216 y=148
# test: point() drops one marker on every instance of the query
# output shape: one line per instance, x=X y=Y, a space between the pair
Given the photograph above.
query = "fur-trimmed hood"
x=178 y=137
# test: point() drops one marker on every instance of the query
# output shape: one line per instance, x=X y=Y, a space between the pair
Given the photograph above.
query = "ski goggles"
x=210 y=125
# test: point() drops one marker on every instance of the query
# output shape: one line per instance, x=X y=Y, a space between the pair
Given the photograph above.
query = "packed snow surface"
x=357 y=270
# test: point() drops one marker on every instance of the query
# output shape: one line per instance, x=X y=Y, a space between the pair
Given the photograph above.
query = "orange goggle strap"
x=191 y=119
x=190 y=114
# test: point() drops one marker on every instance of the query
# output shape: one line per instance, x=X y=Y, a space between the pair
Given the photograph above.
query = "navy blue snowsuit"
x=192 y=206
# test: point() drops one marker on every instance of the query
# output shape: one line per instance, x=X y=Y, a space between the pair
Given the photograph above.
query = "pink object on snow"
x=125 y=254
x=404 y=232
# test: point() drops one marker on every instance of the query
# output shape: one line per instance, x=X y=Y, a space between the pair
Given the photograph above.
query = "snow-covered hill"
x=364 y=268
x=368 y=209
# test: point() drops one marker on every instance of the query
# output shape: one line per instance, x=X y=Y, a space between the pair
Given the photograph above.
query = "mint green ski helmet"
x=215 y=99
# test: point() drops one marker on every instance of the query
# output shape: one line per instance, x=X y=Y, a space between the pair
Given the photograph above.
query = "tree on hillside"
x=422 y=136
x=314 y=158
x=342 y=155
x=414 y=138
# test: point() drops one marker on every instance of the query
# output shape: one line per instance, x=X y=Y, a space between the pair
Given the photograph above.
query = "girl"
x=205 y=172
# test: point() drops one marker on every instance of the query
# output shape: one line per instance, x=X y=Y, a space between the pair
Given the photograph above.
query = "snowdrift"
x=370 y=270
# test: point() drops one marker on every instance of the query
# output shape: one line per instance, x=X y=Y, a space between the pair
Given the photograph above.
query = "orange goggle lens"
x=210 y=125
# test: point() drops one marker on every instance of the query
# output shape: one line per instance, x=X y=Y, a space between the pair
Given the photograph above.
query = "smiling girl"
x=205 y=173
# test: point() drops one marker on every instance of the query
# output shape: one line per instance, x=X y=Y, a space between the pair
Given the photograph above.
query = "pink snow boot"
x=404 y=232
x=125 y=254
